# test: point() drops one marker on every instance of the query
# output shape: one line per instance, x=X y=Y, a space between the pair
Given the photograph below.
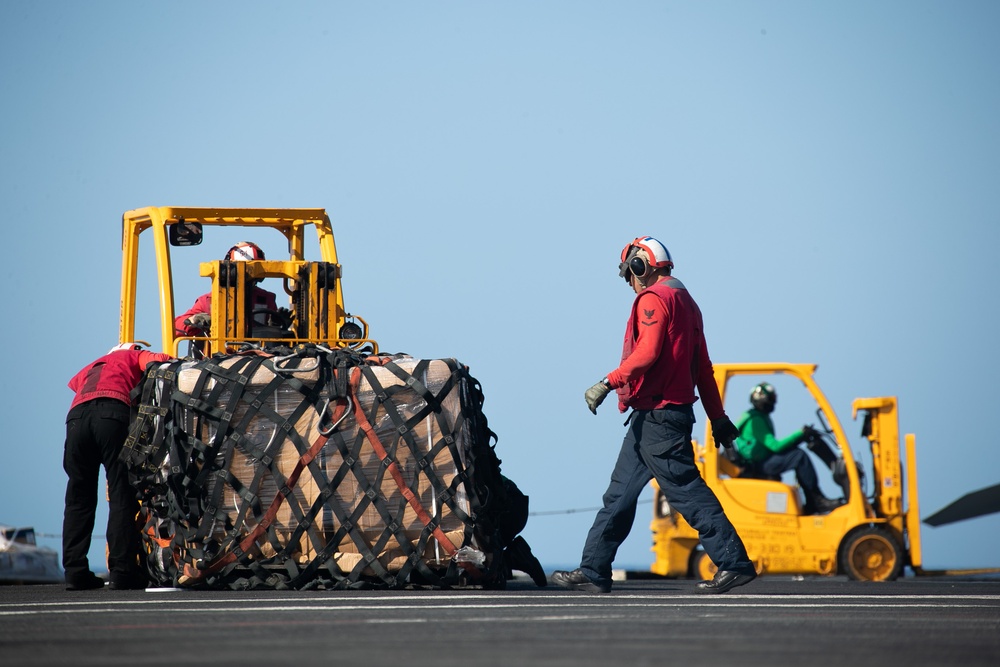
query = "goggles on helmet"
x=244 y=251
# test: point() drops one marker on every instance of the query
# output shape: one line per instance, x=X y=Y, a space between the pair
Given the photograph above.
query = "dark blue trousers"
x=658 y=444
x=793 y=459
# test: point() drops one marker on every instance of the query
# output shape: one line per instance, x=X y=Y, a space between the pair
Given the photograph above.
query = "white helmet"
x=244 y=251
x=654 y=255
x=125 y=346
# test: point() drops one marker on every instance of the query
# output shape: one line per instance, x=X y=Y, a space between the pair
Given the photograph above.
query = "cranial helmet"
x=641 y=255
x=125 y=346
x=764 y=397
x=244 y=251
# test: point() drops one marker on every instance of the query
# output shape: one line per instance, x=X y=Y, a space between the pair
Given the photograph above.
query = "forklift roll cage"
x=317 y=302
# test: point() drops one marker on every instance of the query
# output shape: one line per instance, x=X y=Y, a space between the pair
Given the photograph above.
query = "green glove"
x=596 y=394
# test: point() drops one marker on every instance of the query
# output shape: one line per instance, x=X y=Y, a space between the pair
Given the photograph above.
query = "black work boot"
x=817 y=503
x=131 y=581
x=84 y=582
x=578 y=581
x=519 y=557
x=725 y=580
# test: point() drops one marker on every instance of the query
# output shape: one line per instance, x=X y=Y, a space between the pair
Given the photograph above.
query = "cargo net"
x=319 y=469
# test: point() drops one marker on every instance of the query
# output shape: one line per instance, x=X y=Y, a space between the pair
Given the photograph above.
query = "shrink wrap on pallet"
x=286 y=470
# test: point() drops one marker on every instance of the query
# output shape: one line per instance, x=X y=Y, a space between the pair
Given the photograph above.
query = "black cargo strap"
x=445 y=496
x=185 y=451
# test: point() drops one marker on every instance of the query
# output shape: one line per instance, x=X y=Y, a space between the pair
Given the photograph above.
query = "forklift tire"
x=701 y=566
x=871 y=554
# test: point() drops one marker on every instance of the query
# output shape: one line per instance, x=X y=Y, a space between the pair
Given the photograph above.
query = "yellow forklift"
x=315 y=311
x=282 y=449
x=872 y=536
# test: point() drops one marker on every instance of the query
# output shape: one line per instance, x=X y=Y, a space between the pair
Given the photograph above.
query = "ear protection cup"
x=634 y=265
x=638 y=266
x=629 y=256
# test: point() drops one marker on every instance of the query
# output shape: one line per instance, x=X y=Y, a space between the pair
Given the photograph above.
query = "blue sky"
x=823 y=173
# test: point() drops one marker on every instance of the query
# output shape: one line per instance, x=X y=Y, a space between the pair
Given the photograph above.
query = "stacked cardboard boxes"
x=295 y=462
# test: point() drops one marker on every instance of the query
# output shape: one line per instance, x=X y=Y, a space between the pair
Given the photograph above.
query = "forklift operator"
x=198 y=319
x=771 y=456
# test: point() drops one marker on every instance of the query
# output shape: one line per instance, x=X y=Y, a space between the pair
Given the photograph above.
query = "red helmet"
x=635 y=264
x=244 y=251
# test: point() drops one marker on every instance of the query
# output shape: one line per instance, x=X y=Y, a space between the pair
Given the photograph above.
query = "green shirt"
x=756 y=441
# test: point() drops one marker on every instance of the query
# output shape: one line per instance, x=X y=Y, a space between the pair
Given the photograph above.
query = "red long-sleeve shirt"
x=664 y=353
x=114 y=375
x=203 y=304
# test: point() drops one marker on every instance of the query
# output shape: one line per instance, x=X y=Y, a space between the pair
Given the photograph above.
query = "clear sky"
x=825 y=175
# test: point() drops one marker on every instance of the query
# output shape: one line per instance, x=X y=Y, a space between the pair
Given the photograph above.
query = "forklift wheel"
x=872 y=554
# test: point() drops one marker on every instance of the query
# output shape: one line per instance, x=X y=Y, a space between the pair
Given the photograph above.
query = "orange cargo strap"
x=272 y=511
x=365 y=425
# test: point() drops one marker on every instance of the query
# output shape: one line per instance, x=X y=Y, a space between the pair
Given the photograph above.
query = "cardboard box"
x=346 y=478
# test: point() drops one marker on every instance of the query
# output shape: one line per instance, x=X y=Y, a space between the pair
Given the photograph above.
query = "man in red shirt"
x=664 y=359
x=96 y=429
x=198 y=319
